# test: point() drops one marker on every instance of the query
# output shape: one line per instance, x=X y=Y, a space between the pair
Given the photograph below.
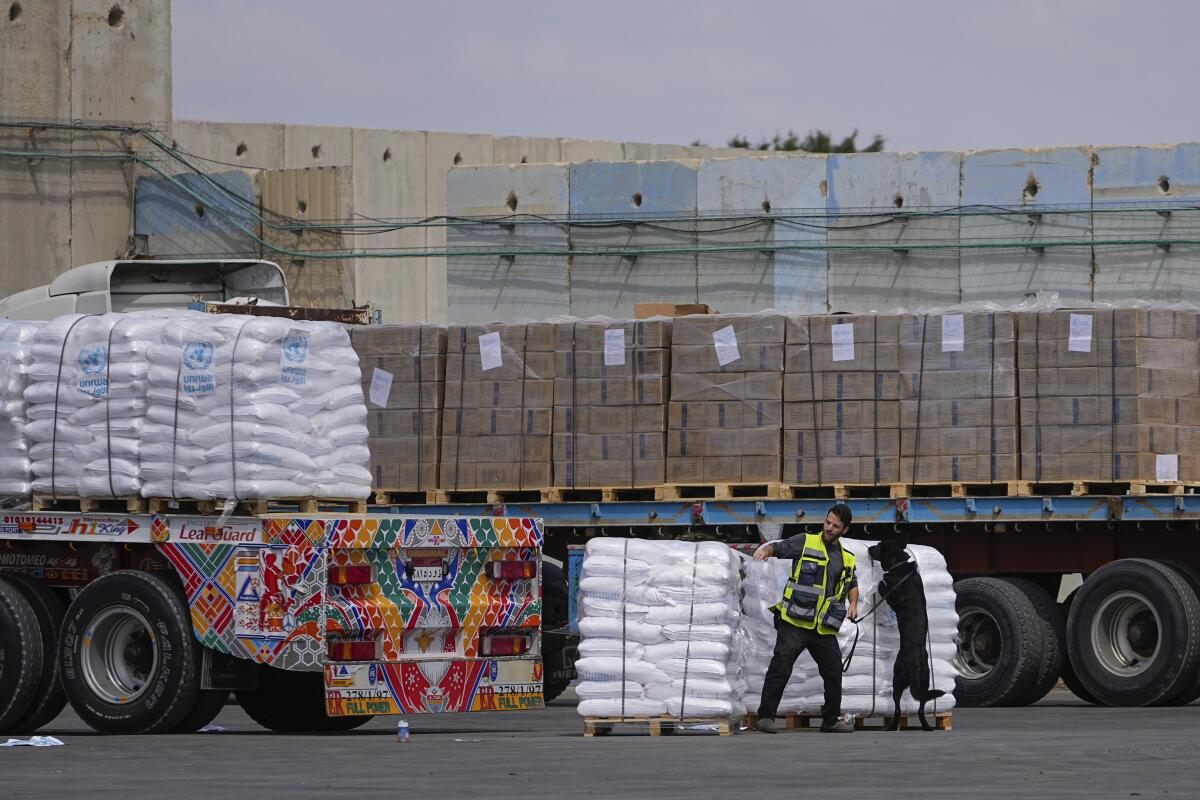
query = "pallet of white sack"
x=720 y=491
x=659 y=725
x=256 y=508
x=315 y=505
x=90 y=505
x=811 y=721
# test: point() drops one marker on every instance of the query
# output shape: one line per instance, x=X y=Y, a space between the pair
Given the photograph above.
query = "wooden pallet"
x=959 y=489
x=656 y=726
x=489 y=496
x=720 y=491
x=90 y=505
x=405 y=497
x=257 y=508
x=809 y=721
x=593 y=494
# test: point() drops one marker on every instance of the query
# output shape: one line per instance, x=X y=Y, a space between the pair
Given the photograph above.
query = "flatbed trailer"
x=1126 y=636
x=146 y=623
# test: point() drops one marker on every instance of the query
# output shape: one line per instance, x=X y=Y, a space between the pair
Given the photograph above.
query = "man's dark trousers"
x=790 y=642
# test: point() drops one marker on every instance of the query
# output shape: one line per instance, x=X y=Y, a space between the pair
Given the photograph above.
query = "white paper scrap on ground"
x=489 y=351
x=210 y=728
x=952 y=333
x=842 y=337
x=1080 y=339
x=33 y=741
x=1166 y=467
x=614 y=347
x=381 y=387
x=725 y=343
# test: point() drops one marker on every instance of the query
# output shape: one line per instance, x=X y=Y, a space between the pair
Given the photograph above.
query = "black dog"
x=905 y=593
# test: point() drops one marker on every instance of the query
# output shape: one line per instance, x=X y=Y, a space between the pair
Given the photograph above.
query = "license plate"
x=427 y=573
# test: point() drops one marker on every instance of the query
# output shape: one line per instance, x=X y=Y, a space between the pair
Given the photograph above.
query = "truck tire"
x=288 y=701
x=208 y=706
x=20 y=655
x=129 y=661
x=1192 y=577
x=1068 y=673
x=49 y=699
x=1054 y=631
x=1000 y=643
x=554 y=616
x=1133 y=635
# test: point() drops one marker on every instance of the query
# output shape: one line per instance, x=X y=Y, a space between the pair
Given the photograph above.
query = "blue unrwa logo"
x=198 y=355
x=295 y=347
x=93 y=359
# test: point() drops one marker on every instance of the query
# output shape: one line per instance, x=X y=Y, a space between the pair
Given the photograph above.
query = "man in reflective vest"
x=813 y=607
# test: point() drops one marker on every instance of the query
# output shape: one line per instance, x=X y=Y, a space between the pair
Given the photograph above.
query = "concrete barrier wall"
x=1087 y=203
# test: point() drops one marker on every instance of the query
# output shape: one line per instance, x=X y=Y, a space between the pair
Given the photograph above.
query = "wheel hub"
x=979 y=643
x=1125 y=633
x=119 y=655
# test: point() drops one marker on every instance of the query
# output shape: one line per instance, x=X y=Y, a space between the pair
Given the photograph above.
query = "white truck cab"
x=105 y=286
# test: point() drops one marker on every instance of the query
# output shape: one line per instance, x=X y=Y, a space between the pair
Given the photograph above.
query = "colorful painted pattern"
x=269 y=602
x=430 y=687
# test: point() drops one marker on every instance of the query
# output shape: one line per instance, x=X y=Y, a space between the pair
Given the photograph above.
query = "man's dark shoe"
x=767 y=725
x=841 y=726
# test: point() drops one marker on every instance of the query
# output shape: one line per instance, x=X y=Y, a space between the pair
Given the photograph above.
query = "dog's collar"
x=900 y=567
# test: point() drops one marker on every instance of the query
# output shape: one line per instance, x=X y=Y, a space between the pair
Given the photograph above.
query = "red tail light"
x=351 y=651
x=512 y=570
x=503 y=645
x=343 y=576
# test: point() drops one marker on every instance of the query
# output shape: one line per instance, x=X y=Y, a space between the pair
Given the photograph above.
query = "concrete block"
x=389 y=184
x=658 y=191
x=120 y=60
x=316 y=146
x=443 y=151
x=780 y=190
x=35 y=210
x=102 y=198
x=637 y=151
x=898 y=276
x=1050 y=188
x=575 y=151
x=203 y=221
x=249 y=145
x=34 y=79
x=496 y=287
x=526 y=150
x=317 y=193
x=1125 y=181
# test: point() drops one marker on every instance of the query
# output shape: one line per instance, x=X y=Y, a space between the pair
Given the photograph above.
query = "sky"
x=926 y=74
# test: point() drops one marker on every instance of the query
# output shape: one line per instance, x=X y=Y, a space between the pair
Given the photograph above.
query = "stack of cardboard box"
x=496 y=427
x=1109 y=395
x=958 y=408
x=726 y=396
x=611 y=386
x=403 y=373
x=841 y=393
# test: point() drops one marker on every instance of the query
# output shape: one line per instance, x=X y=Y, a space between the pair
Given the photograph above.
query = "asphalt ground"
x=1060 y=748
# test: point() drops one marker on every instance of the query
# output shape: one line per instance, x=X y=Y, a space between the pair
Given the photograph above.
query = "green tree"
x=817 y=141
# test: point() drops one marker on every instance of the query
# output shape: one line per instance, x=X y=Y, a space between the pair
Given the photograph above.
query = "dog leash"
x=882 y=596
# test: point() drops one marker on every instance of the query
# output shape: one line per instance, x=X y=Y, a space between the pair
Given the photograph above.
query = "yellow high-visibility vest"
x=804 y=602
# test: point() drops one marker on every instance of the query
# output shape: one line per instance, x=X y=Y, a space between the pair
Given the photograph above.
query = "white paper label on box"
x=842 y=337
x=1081 y=334
x=381 y=387
x=614 y=347
x=1166 y=467
x=489 y=351
x=725 y=343
x=952 y=333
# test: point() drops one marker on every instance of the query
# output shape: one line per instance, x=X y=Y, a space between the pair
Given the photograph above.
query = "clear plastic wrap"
x=867 y=685
x=16 y=356
x=610 y=402
x=726 y=394
x=496 y=426
x=658 y=626
x=404 y=383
